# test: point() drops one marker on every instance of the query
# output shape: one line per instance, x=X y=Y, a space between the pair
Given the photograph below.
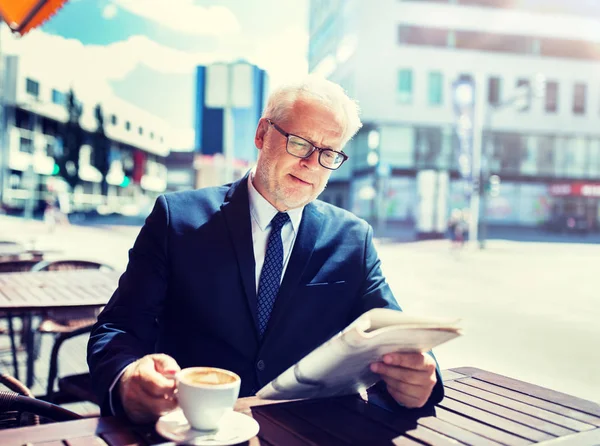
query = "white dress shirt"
x=261 y=213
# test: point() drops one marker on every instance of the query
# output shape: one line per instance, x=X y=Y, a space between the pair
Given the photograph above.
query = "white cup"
x=205 y=394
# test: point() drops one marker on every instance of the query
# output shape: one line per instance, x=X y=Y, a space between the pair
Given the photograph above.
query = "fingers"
x=410 y=378
x=151 y=381
x=145 y=392
x=416 y=361
x=165 y=364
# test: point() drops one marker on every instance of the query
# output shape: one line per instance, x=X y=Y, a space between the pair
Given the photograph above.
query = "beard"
x=279 y=194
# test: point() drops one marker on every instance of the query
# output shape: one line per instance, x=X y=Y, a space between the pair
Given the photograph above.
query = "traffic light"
x=493 y=186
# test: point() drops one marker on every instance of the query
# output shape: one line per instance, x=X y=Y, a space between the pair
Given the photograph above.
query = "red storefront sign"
x=577 y=189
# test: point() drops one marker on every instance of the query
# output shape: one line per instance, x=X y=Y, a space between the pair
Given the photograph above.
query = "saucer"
x=234 y=428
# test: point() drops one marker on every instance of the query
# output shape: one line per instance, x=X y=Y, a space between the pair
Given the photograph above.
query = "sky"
x=146 y=51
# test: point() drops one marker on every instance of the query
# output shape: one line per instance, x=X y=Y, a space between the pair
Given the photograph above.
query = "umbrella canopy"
x=24 y=15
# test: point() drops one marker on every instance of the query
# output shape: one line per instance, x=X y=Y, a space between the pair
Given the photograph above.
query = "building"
x=400 y=58
x=229 y=102
x=33 y=114
x=181 y=174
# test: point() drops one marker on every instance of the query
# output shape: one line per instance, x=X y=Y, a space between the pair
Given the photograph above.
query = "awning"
x=24 y=15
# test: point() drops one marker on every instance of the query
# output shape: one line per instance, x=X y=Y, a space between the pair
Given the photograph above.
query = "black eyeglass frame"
x=320 y=149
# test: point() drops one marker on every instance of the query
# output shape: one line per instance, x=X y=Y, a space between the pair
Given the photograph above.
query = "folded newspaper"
x=340 y=366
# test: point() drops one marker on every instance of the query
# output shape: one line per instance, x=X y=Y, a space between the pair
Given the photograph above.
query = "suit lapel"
x=236 y=211
x=308 y=233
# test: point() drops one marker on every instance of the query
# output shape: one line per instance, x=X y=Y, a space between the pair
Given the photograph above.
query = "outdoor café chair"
x=14 y=266
x=18 y=406
x=66 y=324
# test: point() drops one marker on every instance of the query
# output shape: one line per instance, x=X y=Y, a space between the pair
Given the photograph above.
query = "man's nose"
x=311 y=162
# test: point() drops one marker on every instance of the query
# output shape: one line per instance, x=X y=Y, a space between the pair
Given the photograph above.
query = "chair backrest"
x=9 y=416
x=65 y=265
x=66 y=316
x=17 y=266
x=15 y=408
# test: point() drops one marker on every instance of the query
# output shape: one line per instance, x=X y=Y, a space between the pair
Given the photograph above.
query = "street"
x=529 y=310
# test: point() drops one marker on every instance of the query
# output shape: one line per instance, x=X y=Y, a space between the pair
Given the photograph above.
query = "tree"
x=73 y=138
x=101 y=151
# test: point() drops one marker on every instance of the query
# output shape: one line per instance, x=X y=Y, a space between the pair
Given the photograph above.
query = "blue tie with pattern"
x=270 y=276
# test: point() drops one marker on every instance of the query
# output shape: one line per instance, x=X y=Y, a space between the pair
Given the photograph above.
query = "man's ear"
x=261 y=131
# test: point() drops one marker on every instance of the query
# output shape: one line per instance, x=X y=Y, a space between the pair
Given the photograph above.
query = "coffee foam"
x=208 y=376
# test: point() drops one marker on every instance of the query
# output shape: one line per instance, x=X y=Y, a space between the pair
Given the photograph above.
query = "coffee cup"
x=205 y=394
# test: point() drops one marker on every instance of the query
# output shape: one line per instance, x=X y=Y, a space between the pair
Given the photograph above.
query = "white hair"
x=328 y=93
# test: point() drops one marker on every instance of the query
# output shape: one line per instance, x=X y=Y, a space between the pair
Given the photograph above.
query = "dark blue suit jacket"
x=189 y=290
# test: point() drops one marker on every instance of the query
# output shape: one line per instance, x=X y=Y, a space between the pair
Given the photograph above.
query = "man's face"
x=285 y=181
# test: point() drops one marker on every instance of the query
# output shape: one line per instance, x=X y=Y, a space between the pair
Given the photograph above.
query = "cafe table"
x=480 y=408
x=33 y=292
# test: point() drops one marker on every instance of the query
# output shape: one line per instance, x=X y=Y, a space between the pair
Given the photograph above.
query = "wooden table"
x=27 y=293
x=480 y=408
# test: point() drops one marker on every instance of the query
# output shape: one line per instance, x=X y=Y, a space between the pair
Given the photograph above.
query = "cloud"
x=283 y=55
x=184 y=16
x=93 y=66
x=109 y=11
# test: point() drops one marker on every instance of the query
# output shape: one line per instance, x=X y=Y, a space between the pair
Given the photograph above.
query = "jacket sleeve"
x=376 y=293
x=127 y=328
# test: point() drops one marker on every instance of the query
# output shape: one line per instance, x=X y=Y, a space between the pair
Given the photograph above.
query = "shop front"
x=575 y=207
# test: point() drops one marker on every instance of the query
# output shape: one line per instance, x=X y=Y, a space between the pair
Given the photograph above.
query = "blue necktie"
x=270 y=276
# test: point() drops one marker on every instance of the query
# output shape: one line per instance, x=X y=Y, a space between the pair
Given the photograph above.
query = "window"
x=32 y=87
x=23 y=119
x=58 y=97
x=509 y=151
x=523 y=85
x=140 y=130
x=545 y=155
x=436 y=88
x=428 y=147
x=579 y=98
x=503 y=43
x=405 y=86
x=572 y=49
x=419 y=35
x=26 y=145
x=151 y=135
x=113 y=119
x=494 y=90
x=127 y=125
x=551 y=97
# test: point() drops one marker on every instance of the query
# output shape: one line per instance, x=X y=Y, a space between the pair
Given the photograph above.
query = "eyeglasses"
x=301 y=148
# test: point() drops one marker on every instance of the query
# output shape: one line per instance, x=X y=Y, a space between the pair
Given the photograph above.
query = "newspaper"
x=340 y=366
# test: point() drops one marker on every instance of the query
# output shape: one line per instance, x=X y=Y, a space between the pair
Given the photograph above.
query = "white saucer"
x=234 y=428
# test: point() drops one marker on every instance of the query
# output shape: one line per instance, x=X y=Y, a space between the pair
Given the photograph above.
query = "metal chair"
x=66 y=324
x=18 y=406
x=15 y=266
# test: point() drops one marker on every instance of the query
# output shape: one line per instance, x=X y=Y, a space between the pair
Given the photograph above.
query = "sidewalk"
x=399 y=232
x=103 y=244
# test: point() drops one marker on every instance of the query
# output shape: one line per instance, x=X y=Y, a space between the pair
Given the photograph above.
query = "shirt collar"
x=263 y=212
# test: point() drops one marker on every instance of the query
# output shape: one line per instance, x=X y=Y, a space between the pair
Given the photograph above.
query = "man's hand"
x=147 y=388
x=410 y=377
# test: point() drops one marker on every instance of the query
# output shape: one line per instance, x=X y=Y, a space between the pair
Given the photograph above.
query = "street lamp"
x=469 y=108
x=373 y=160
